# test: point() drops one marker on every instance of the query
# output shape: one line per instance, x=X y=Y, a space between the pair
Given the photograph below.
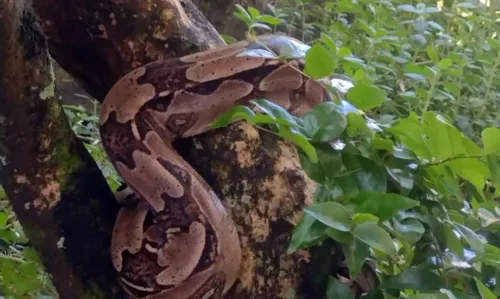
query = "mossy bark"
x=58 y=193
x=258 y=177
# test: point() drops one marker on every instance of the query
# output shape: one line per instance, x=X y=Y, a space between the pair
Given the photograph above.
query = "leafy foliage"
x=411 y=182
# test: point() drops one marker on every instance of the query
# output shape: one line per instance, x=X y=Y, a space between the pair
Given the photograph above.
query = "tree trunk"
x=58 y=193
x=258 y=177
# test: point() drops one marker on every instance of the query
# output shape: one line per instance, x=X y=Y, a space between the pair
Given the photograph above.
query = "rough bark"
x=98 y=41
x=258 y=177
x=56 y=189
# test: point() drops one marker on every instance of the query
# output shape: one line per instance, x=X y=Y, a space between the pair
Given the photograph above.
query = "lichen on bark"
x=56 y=190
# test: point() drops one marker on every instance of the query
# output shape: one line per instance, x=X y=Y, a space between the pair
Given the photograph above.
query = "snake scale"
x=178 y=241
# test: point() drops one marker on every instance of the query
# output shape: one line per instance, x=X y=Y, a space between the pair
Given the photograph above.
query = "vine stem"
x=431 y=92
x=488 y=87
x=453 y=158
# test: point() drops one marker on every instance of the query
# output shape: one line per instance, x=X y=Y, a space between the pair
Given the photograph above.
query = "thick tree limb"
x=56 y=190
x=258 y=177
x=99 y=41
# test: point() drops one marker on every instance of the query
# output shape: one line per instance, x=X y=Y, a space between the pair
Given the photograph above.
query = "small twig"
x=451 y=159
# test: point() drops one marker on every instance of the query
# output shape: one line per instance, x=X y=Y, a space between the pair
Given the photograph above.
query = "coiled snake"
x=179 y=242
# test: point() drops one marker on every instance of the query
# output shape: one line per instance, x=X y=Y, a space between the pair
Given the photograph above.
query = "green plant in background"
x=21 y=273
x=412 y=182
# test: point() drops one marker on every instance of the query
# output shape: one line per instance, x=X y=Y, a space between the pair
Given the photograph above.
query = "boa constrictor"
x=179 y=242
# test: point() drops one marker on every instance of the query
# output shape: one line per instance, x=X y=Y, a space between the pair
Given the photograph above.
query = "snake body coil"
x=179 y=242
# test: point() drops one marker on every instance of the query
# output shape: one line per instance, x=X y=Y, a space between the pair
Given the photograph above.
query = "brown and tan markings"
x=178 y=241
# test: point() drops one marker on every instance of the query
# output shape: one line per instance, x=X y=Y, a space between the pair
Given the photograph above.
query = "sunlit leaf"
x=319 y=62
x=366 y=97
x=374 y=236
x=409 y=131
x=331 y=214
x=491 y=140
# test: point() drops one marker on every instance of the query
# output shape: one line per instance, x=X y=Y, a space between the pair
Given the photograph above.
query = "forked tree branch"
x=58 y=193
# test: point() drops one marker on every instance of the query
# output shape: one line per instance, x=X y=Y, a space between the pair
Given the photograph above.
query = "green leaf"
x=418 y=77
x=366 y=97
x=274 y=110
x=329 y=42
x=344 y=51
x=331 y=214
x=428 y=296
x=339 y=236
x=324 y=123
x=269 y=20
x=364 y=217
x=300 y=141
x=453 y=241
x=261 y=25
x=491 y=140
x=383 y=144
x=3 y=219
x=402 y=177
x=383 y=205
x=242 y=14
x=22 y=277
x=408 y=8
x=237 y=112
x=319 y=62
x=445 y=63
x=328 y=166
x=484 y=291
x=376 y=237
x=338 y=290
x=432 y=53
x=444 y=140
x=410 y=229
x=472 y=170
x=418 y=279
x=228 y=39
x=494 y=167
x=409 y=131
x=491 y=256
x=472 y=238
x=253 y=12
x=356 y=126
x=487 y=217
x=371 y=177
x=448 y=293
x=307 y=233
x=355 y=252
